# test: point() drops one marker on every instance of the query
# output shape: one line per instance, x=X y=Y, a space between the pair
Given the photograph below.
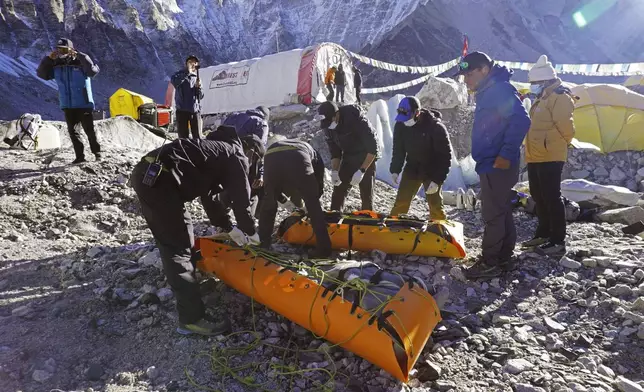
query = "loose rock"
x=517 y=365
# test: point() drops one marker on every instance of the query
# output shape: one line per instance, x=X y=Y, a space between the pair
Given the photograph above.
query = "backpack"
x=27 y=128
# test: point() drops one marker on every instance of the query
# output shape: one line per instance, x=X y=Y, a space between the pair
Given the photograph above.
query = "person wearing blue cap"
x=421 y=144
x=500 y=125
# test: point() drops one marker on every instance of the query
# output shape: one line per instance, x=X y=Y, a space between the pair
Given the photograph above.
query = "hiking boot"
x=98 y=156
x=205 y=327
x=78 y=160
x=509 y=265
x=550 y=248
x=536 y=241
x=481 y=269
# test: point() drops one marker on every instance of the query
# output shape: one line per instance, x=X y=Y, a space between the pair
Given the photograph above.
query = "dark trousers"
x=339 y=93
x=500 y=236
x=341 y=191
x=219 y=210
x=186 y=118
x=291 y=173
x=408 y=188
x=83 y=116
x=329 y=97
x=171 y=226
x=358 y=91
x=545 y=189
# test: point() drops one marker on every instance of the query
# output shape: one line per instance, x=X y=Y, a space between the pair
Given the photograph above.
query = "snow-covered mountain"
x=138 y=43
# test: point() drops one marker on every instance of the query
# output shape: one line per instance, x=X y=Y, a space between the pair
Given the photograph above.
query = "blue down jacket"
x=73 y=78
x=500 y=121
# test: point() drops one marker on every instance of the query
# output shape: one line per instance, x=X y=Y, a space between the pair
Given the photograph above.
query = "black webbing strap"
x=417 y=239
x=376 y=278
x=386 y=325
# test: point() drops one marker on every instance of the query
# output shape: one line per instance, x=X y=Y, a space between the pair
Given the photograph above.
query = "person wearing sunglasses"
x=422 y=145
x=354 y=151
x=73 y=71
x=500 y=125
x=546 y=151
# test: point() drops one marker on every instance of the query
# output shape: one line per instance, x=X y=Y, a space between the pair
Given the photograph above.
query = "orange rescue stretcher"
x=367 y=230
x=392 y=340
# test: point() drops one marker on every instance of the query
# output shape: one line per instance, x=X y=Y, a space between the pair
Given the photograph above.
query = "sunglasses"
x=403 y=111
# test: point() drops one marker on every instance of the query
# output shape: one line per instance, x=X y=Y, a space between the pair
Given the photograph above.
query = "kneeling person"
x=293 y=169
x=176 y=173
x=422 y=145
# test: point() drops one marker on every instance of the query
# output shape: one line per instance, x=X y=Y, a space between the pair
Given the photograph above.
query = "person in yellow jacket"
x=329 y=80
x=546 y=151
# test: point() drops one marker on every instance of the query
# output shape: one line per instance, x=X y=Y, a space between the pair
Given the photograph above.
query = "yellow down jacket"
x=552 y=126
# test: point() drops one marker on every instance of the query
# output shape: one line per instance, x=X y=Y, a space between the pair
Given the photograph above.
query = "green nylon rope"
x=220 y=357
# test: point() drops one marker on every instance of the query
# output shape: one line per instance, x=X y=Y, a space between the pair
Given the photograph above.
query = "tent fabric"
x=126 y=103
x=609 y=116
x=286 y=77
x=246 y=84
x=635 y=83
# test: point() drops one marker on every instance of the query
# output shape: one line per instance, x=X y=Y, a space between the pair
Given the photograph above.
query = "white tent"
x=286 y=77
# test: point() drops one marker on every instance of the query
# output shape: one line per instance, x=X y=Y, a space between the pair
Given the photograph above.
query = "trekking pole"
x=199 y=100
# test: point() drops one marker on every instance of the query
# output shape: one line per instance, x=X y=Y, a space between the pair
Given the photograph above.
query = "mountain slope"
x=138 y=43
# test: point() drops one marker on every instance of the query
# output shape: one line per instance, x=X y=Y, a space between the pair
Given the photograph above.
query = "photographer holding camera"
x=187 y=99
x=72 y=71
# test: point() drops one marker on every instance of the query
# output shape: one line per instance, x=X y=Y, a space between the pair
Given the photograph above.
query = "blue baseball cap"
x=406 y=108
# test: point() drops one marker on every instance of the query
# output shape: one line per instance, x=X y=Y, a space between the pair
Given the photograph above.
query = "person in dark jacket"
x=294 y=173
x=340 y=84
x=251 y=122
x=422 y=145
x=187 y=99
x=500 y=125
x=354 y=151
x=357 y=83
x=192 y=168
x=73 y=71
x=254 y=151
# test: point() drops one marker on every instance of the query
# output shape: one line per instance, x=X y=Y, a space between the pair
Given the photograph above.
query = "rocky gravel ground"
x=85 y=307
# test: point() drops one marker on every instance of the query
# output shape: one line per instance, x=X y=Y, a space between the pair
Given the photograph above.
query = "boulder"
x=442 y=93
x=627 y=216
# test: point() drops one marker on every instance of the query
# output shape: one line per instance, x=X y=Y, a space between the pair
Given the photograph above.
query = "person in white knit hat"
x=547 y=141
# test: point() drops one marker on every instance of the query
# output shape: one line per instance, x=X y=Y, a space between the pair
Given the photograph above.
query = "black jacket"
x=357 y=78
x=340 y=78
x=424 y=147
x=203 y=168
x=354 y=136
x=304 y=148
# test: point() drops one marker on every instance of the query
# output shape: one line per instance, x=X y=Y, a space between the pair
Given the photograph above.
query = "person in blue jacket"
x=254 y=121
x=72 y=71
x=187 y=99
x=500 y=125
x=250 y=124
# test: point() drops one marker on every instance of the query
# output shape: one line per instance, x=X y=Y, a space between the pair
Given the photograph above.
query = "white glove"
x=288 y=205
x=357 y=177
x=242 y=238
x=432 y=188
x=394 y=178
x=253 y=239
x=335 y=178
